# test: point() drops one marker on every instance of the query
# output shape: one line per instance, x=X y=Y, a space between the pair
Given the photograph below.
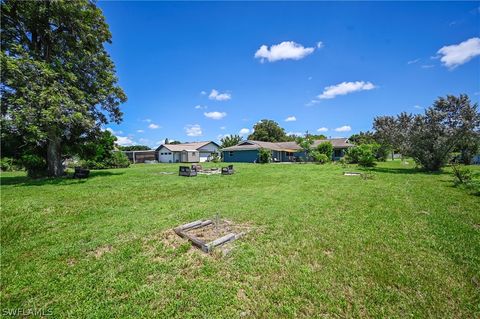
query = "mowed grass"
x=404 y=244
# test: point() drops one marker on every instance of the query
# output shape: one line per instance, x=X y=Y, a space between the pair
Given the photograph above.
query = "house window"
x=289 y=153
x=230 y=153
x=193 y=154
x=169 y=153
x=337 y=153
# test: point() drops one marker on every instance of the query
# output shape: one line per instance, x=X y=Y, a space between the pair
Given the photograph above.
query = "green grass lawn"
x=404 y=244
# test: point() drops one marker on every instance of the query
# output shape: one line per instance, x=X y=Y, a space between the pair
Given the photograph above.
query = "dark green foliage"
x=264 y=155
x=134 y=148
x=451 y=123
x=35 y=165
x=363 y=138
x=461 y=174
x=320 y=157
x=58 y=81
x=230 y=140
x=325 y=148
x=268 y=131
x=116 y=160
x=363 y=155
x=6 y=164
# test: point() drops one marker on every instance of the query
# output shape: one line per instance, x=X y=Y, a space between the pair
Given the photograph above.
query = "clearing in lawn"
x=403 y=243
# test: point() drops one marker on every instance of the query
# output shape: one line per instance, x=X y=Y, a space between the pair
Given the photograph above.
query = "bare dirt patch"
x=100 y=251
x=219 y=229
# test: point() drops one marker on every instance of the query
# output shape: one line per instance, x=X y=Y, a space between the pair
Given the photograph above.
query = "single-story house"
x=247 y=151
x=187 y=152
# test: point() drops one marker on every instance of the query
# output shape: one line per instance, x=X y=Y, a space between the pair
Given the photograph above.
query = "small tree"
x=326 y=148
x=230 y=140
x=264 y=155
x=367 y=155
x=306 y=144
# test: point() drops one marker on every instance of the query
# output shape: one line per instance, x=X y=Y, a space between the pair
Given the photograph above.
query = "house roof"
x=185 y=146
x=285 y=146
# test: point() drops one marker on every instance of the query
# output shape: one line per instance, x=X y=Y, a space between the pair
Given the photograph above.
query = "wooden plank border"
x=182 y=231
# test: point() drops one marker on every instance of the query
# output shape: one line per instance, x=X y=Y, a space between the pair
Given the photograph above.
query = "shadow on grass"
x=65 y=180
x=404 y=171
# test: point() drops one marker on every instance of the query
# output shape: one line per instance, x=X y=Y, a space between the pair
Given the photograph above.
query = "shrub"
x=118 y=160
x=320 y=157
x=325 y=148
x=35 y=165
x=363 y=155
x=216 y=158
x=6 y=164
x=461 y=175
x=264 y=155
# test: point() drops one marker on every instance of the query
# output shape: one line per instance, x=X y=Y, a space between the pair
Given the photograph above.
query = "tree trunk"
x=54 y=156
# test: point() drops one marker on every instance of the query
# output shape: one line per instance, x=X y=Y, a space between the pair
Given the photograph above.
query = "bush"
x=116 y=160
x=6 y=164
x=264 y=156
x=35 y=165
x=320 y=157
x=216 y=158
x=325 y=148
x=461 y=175
x=363 y=155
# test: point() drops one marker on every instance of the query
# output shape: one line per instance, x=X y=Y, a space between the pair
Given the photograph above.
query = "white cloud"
x=344 y=128
x=291 y=119
x=140 y=131
x=312 y=102
x=124 y=141
x=413 y=61
x=322 y=129
x=147 y=120
x=223 y=128
x=215 y=115
x=417 y=107
x=153 y=126
x=343 y=88
x=215 y=95
x=458 y=54
x=309 y=78
x=244 y=131
x=320 y=45
x=203 y=93
x=193 y=130
x=427 y=66
x=113 y=131
x=283 y=51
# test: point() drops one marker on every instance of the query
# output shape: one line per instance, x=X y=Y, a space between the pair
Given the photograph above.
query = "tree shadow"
x=64 y=180
x=409 y=171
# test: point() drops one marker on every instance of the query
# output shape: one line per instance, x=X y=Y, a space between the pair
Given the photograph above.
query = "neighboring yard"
x=404 y=244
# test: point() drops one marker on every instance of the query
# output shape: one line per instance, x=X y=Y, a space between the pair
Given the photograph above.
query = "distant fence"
x=141 y=156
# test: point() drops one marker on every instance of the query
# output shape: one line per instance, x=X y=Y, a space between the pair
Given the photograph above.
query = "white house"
x=187 y=152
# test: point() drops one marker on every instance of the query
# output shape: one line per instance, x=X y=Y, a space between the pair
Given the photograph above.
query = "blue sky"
x=196 y=71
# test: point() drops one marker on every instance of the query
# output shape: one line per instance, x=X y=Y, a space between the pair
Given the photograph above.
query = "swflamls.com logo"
x=20 y=312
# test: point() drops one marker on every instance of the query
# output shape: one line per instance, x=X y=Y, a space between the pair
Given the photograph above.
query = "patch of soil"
x=100 y=251
x=216 y=230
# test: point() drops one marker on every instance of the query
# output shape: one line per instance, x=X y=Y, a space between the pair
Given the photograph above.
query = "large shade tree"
x=58 y=82
x=268 y=131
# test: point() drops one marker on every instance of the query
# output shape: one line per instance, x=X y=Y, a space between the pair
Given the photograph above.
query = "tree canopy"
x=450 y=123
x=268 y=131
x=134 y=148
x=230 y=140
x=58 y=82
